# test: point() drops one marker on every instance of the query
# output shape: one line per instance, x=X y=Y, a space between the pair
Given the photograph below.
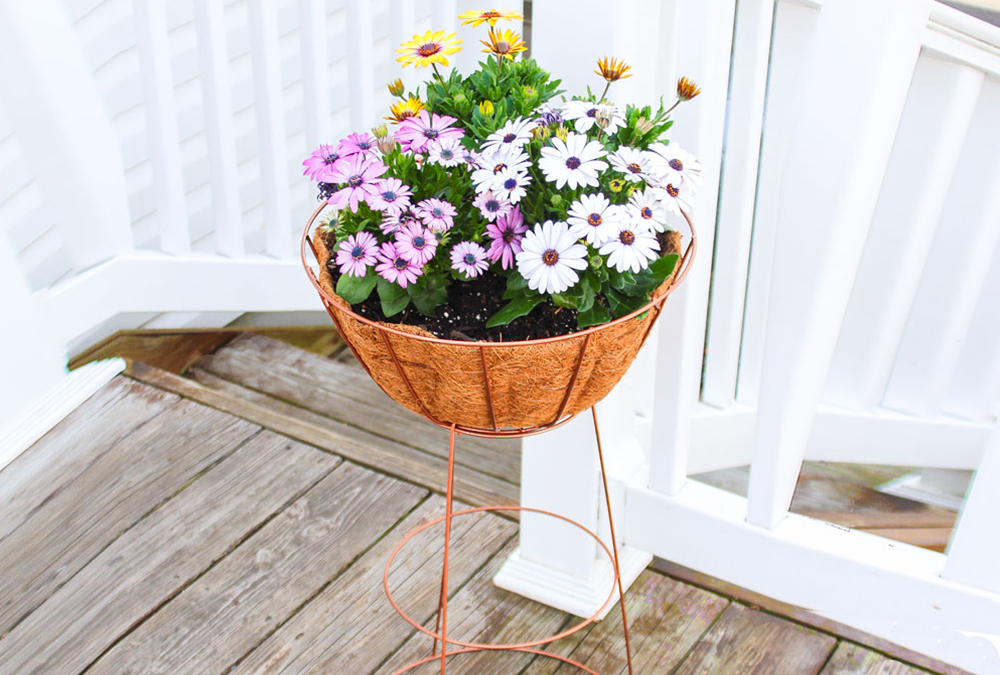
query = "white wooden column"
x=828 y=197
x=360 y=75
x=315 y=72
x=56 y=112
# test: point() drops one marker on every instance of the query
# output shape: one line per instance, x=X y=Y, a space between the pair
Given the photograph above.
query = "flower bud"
x=396 y=88
x=562 y=132
x=686 y=89
x=486 y=108
x=386 y=144
x=542 y=133
x=380 y=131
x=643 y=126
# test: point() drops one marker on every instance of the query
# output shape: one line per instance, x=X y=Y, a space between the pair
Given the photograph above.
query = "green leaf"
x=514 y=309
x=564 y=300
x=428 y=294
x=621 y=304
x=596 y=315
x=356 y=289
x=394 y=298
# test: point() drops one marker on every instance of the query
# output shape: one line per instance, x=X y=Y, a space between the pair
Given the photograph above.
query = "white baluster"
x=269 y=105
x=954 y=277
x=942 y=96
x=828 y=197
x=975 y=545
x=361 y=72
x=315 y=71
x=216 y=92
x=751 y=55
x=161 y=125
x=705 y=35
x=72 y=150
x=402 y=27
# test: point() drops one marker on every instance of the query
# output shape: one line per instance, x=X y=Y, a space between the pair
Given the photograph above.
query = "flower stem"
x=676 y=103
x=441 y=79
x=605 y=92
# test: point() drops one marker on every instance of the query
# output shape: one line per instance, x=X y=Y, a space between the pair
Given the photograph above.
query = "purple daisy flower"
x=356 y=254
x=415 y=243
x=469 y=257
x=358 y=176
x=415 y=133
x=437 y=214
x=392 y=222
x=491 y=205
x=319 y=165
x=390 y=196
x=393 y=267
x=506 y=234
x=357 y=144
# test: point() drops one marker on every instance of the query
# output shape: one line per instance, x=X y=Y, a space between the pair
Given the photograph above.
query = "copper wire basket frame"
x=655 y=305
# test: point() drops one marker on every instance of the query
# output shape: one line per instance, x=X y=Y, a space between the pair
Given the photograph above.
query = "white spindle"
x=828 y=198
x=975 y=542
x=360 y=74
x=794 y=27
x=942 y=97
x=270 y=109
x=216 y=95
x=161 y=125
x=703 y=47
x=53 y=107
x=445 y=15
x=751 y=54
x=402 y=20
x=315 y=71
x=954 y=277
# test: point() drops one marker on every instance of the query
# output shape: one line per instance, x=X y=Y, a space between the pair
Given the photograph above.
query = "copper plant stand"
x=440 y=633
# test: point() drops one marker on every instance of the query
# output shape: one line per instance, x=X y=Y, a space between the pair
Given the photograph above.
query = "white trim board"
x=57 y=403
x=885 y=588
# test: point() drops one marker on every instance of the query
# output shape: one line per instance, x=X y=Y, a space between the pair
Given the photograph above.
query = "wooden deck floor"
x=237 y=521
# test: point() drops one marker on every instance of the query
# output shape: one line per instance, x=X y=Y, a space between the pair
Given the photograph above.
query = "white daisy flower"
x=634 y=163
x=550 y=256
x=631 y=247
x=645 y=206
x=585 y=114
x=671 y=164
x=512 y=184
x=516 y=132
x=491 y=205
x=446 y=152
x=491 y=163
x=575 y=161
x=676 y=199
x=594 y=218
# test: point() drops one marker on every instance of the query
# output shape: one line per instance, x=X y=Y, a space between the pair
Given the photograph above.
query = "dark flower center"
x=550 y=257
x=646 y=212
x=595 y=219
x=508 y=235
x=492 y=206
x=635 y=168
x=400 y=263
x=419 y=243
x=364 y=145
x=330 y=159
x=447 y=154
x=498 y=168
x=389 y=196
x=469 y=259
x=502 y=47
x=492 y=14
x=357 y=253
x=676 y=164
x=672 y=191
x=573 y=163
x=437 y=213
x=627 y=237
x=355 y=181
x=510 y=138
x=509 y=184
x=592 y=112
x=431 y=133
x=429 y=49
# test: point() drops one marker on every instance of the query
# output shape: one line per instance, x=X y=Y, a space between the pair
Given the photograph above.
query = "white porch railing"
x=843 y=307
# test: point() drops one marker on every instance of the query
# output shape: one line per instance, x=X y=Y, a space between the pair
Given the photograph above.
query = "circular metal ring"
x=472 y=650
x=521 y=646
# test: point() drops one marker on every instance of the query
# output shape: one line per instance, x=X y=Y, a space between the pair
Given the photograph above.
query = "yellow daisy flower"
x=504 y=44
x=686 y=89
x=477 y=17
x=428 y=49
x=613 y=69
x=400 y=110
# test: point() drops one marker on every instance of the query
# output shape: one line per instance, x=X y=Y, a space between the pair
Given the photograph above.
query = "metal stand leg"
x=614 y=541
x=442 y=615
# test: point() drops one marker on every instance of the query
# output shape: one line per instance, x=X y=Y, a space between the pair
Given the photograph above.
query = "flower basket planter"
x=495 y=388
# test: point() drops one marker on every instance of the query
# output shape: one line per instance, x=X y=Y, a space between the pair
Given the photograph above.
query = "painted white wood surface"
x=828 y=198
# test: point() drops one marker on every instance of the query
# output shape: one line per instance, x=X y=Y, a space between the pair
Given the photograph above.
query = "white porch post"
x=828 y=197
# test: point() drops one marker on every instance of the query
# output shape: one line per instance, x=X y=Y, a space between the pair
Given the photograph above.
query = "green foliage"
x=394 y=298
x=356 y=289
x=513 y=309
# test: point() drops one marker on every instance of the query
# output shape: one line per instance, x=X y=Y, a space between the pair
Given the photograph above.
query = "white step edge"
x=566 y=592
x=910 y=487
x=56 y=404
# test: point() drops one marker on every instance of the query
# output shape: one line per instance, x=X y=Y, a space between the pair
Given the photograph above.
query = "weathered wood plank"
x=350 y=627
x=237 y=603
x=481 y=612
x=666 y=618
x=747 y=641
x=77 y=441
x=337 y=437
x=162 y=554
x=346 y=392
x=852 y=659
x=115 y=491
x=173 y=351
